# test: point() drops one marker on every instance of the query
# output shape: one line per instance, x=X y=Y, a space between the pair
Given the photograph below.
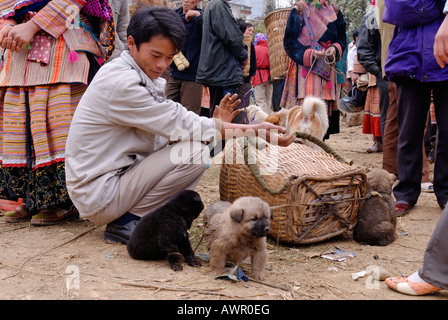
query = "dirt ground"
x=71 y=261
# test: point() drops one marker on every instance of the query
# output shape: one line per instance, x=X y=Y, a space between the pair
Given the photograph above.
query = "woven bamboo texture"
x=275 y=23
x=321 y=201
x=247 y=40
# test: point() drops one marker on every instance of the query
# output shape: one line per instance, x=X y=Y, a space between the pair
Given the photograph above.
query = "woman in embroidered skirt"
x=47 y=62
x=314 y=29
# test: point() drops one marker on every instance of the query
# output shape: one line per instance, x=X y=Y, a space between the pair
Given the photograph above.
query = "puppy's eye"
x=254 y=219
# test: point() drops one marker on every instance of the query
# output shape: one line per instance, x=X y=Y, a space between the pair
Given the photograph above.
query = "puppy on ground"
x=237 y=231
x=376 y=220
x=311 y=118
x=163 y=232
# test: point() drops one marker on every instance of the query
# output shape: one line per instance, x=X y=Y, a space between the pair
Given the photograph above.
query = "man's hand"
x=191 y=14
x=272 y=136
x=226 y=109
x=441 y=44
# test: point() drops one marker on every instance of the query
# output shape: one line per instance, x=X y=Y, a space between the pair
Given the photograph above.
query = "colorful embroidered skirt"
x=300 y=84
x=371 y=121
x=34 y=124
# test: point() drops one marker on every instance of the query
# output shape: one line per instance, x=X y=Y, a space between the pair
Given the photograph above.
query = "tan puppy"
x=311 y=118
x=278 y=118
x=255 y=115
x=237 y=231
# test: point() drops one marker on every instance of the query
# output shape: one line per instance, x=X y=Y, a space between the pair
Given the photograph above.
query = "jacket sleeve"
x=294 y=49
x=369 y=42
x=341 y=42
x=58 y=15
x=228 y=31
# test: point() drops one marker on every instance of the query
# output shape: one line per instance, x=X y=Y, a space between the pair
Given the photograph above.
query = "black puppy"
x=163 y=233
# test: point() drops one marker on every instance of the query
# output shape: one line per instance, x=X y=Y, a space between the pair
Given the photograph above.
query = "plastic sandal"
x=403 y=285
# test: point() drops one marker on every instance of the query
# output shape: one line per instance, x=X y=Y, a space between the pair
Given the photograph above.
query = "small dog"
x=255 y=114
x=163 y=233
x=237 y=231
x=311 y=118
x=376 y=220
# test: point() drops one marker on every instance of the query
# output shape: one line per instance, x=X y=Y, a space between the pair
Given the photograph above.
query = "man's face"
x=154 y=56
x=189 y=4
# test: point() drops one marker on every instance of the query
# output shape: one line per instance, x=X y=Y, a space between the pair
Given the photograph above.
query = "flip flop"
x=19 y=214
x=403 y=285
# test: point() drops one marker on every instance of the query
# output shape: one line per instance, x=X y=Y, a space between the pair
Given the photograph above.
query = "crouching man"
x=120 y=164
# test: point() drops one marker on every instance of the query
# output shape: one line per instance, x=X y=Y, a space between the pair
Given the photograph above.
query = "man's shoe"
x=116 y=233
x=402 y=208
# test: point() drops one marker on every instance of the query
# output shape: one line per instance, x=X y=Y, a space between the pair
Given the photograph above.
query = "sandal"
x=403 y=285
x=52 y=216
x=19 y=214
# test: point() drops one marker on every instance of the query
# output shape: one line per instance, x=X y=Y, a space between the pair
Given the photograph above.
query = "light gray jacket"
x=122 y=118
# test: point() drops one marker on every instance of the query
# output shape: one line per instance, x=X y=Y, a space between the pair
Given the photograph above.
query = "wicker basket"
x=275 y=23
x=321 y=196
x=247 y=40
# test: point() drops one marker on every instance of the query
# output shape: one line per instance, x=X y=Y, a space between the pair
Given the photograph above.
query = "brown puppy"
x=237 y=231
x=376 y=220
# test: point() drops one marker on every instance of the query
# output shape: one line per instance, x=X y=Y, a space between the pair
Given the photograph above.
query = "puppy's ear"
x=272 y=214
x=237 y=215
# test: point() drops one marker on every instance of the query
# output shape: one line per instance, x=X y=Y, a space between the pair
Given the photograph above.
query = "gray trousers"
x=149 y=184
x=435 y=265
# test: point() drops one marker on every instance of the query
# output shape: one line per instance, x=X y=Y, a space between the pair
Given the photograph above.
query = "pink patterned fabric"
x=98 y=8
x=40 y=48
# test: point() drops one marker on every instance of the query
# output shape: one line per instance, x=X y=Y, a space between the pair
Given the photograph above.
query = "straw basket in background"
x=312 y=195
x=247 y=41
x=275 y=23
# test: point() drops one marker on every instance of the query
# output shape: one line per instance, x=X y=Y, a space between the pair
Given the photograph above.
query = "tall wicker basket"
x=313 y=196
x=275 y=23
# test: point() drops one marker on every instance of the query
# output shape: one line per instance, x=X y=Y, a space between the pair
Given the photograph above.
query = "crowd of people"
x=92 y=101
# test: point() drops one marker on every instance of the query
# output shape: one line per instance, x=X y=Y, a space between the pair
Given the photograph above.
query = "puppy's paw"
x=258 y=276
x=176 y=266
x=175 y=258
x=216 y=272
x=193 y=262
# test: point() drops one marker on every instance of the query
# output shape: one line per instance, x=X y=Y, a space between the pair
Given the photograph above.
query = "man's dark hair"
x=153 y=21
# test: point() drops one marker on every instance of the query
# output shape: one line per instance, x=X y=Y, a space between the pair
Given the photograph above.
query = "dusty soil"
x=71 y=261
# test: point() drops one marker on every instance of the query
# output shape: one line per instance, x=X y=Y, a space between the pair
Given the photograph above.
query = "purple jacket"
x=411 y=51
